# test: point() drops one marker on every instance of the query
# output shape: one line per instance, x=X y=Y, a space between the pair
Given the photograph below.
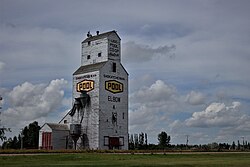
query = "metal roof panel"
x=89 y=68
x=55 y=126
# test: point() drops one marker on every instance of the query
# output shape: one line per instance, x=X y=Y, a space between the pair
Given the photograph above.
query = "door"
x=114 y=143
x=46 y=141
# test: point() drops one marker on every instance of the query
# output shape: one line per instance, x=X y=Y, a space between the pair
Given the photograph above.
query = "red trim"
x=46 y=141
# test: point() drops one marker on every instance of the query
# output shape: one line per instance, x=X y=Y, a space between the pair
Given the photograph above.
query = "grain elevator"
x=99 y=115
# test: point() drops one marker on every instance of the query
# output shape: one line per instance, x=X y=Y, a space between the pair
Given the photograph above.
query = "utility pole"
x=187 y=142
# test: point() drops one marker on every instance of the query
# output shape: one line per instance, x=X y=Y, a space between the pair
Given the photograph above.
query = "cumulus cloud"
x=133 y=52
x=157 y=92
x=151 y=107
x=217 y=115
x=28 y=102
x=195 y=98
x=149 y=101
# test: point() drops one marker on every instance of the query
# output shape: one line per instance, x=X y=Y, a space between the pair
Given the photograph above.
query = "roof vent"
x=97 y=32
x=89 y=35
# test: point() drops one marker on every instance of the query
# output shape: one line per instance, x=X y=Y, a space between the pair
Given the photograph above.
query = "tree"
x=131 y=142
x=7 y=144
x=2 y=133
x=14 y=143
x=31 y=135
x=233 y=145
x=146 y=139
x=136 y=140
x=238 y=146
x=30 y=138
x=141 y=140
x=164 y=139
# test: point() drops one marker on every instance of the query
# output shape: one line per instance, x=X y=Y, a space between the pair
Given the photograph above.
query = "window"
x=123 y=115
x=88 y=57
x=99 y=54
x=114 y=67
x=89 y=42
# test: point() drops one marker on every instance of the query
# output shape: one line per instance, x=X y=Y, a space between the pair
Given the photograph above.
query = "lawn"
x=104 y=159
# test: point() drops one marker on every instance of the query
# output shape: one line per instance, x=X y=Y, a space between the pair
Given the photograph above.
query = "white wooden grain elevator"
x=99 y=115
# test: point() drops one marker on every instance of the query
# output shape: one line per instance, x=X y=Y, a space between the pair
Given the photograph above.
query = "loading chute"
x=80 y=103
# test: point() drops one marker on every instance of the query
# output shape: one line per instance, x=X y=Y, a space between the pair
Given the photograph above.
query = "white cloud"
x=151 y=107
x=217 y=115
x=157 y=92
x=195 y=98
x=28 y=102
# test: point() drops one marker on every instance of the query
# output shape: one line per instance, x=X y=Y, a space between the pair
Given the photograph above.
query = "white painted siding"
x=95 y=47
x=90 y=122
x=45 y=128
x=109 y=105
x=97 y=117
x=114 y=48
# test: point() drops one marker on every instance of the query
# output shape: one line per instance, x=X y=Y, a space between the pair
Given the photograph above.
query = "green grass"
x=101 y=159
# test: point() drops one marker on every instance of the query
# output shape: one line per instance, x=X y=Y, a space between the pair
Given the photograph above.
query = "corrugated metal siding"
x=59 y=139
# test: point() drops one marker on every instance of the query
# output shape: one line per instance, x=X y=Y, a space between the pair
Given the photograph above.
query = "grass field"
x=103 y=159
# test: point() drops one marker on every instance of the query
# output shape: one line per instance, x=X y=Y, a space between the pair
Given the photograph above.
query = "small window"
x=123 y=115
x=88 y=57
x=99 y=54
x=114 y=67
x=89 y=42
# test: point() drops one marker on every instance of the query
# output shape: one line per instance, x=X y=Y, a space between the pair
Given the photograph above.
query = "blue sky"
x=188 y=63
